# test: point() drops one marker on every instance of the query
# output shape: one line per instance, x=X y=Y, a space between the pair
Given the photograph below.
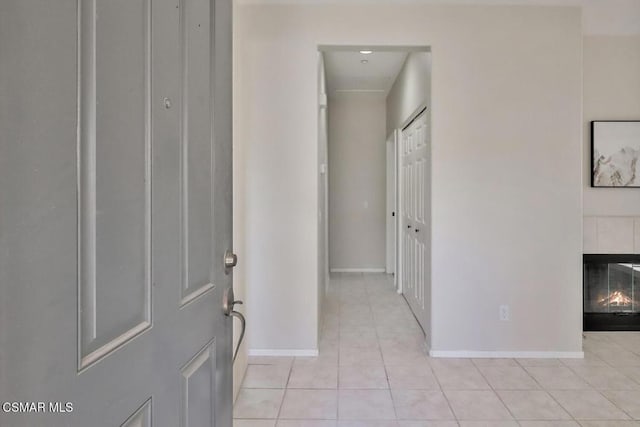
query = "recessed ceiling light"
x=364 y=61
x=366 y=52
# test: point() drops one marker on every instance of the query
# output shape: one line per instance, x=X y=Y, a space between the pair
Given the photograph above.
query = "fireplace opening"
x=611 y=293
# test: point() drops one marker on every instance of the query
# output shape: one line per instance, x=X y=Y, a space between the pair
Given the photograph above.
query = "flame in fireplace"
x=616 y=298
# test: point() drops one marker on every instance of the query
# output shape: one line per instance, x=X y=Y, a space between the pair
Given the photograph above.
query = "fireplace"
x=611 y=290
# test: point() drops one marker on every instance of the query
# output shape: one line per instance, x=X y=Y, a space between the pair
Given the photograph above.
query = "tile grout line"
x=495 y=392
x=339 y=353
x=384 y=365
x=433 y=373
x=591 y=388
x=442 y=391
x=615 y=406
x=548 y=393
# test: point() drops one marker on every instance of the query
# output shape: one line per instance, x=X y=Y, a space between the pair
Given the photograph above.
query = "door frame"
x=391 y=207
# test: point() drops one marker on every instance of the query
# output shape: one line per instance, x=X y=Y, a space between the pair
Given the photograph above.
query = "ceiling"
x=599 y=17
x=346 y=73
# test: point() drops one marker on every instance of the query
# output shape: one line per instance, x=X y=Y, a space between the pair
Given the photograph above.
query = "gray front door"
x=115 y=213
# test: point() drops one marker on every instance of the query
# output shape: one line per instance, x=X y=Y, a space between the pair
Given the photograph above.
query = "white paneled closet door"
x=415 y=224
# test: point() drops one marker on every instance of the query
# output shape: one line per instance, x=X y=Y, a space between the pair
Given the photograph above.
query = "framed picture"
x=615 y=153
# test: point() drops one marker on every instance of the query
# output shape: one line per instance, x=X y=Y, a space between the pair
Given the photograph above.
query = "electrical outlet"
x=505 y=315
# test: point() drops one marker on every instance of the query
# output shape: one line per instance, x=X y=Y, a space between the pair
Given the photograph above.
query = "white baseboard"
x=296 y=353
x=358 y=270
x=509 y=354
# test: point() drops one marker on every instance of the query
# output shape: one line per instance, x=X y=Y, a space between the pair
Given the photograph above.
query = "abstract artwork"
x=615 y=153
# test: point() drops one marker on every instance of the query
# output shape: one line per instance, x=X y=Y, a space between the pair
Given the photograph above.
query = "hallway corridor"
x=372 y=371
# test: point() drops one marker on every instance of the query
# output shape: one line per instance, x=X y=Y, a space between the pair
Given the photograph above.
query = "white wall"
x=410 y=91
x=275 y=204
x=507 y=179
x=611 y=92
x=239 y=221
x=357 y=181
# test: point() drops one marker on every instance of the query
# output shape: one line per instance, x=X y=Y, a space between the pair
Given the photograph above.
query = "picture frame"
x=615 y=153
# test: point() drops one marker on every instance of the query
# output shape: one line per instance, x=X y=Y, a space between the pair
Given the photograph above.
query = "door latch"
x=230 y=261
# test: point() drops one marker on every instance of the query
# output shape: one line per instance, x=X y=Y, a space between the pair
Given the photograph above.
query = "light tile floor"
x=372 y=371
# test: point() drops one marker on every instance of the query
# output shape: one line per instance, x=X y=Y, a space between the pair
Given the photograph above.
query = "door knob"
x=228 y=303
x=230 y=261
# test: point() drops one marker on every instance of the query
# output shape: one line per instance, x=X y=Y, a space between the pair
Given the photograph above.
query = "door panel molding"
x=190 y=42
x=142 y=416
x=101 y=231
x=203 y=361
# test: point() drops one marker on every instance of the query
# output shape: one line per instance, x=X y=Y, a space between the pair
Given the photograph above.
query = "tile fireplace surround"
x=611 y=235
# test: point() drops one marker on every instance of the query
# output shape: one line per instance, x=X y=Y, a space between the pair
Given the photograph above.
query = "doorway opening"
x=374 y=142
